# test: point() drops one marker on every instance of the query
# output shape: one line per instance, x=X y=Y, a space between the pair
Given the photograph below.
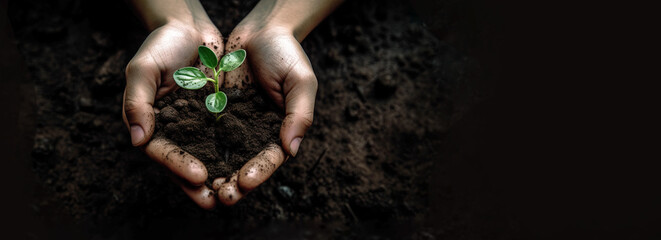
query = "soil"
x=387 y=96
x=246 y=126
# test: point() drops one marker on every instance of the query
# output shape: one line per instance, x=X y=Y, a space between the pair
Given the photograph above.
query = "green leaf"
x=207 y=56
x=232 y=60
x=190 y=78
x=216 y=102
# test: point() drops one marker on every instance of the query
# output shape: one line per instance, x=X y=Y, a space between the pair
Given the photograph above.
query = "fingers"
x=261 y=167
x=228 y=190
x=201 y=195
x=178 y=161
x=250 y=176
x=300 y=89
x=137 y=110
x=187 y=171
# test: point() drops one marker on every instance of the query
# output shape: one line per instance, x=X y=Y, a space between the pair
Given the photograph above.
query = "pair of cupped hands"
x=275 y=62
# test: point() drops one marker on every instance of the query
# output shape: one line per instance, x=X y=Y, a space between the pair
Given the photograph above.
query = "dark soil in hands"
x=246 y=126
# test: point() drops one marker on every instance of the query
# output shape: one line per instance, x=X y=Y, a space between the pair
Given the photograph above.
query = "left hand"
x=148 y=78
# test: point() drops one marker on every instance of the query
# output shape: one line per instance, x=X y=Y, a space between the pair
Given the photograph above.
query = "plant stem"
x=215 y=84
x=216 y=73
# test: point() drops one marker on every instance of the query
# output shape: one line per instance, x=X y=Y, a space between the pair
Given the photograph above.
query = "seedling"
x=192 y=78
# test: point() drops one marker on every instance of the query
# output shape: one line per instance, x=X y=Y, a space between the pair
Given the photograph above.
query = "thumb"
x=139 y=94
x=300 y=89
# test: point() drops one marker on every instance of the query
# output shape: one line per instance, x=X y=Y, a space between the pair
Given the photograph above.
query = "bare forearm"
x=156 y=13
x=298 y=16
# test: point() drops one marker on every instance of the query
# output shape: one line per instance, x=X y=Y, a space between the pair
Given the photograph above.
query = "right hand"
x=149 y=77
x=277 y=64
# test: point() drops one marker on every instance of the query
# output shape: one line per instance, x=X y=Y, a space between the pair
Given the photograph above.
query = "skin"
x=271 y=35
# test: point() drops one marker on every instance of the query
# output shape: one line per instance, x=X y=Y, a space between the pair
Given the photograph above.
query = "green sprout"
x=192 y=78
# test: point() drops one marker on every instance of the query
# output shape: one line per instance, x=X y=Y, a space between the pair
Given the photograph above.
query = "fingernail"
x=294 y=146
x=137 y=134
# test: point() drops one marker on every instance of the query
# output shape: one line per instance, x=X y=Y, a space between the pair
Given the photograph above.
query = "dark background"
x=563 y=148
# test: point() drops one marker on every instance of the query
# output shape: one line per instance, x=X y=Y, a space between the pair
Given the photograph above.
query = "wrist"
x=251 y=28
x=295 y=17
x=196 y=27
x=158 y=13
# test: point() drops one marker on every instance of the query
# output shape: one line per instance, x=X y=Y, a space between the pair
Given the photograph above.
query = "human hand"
x=277 y=63
x=149 y=77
